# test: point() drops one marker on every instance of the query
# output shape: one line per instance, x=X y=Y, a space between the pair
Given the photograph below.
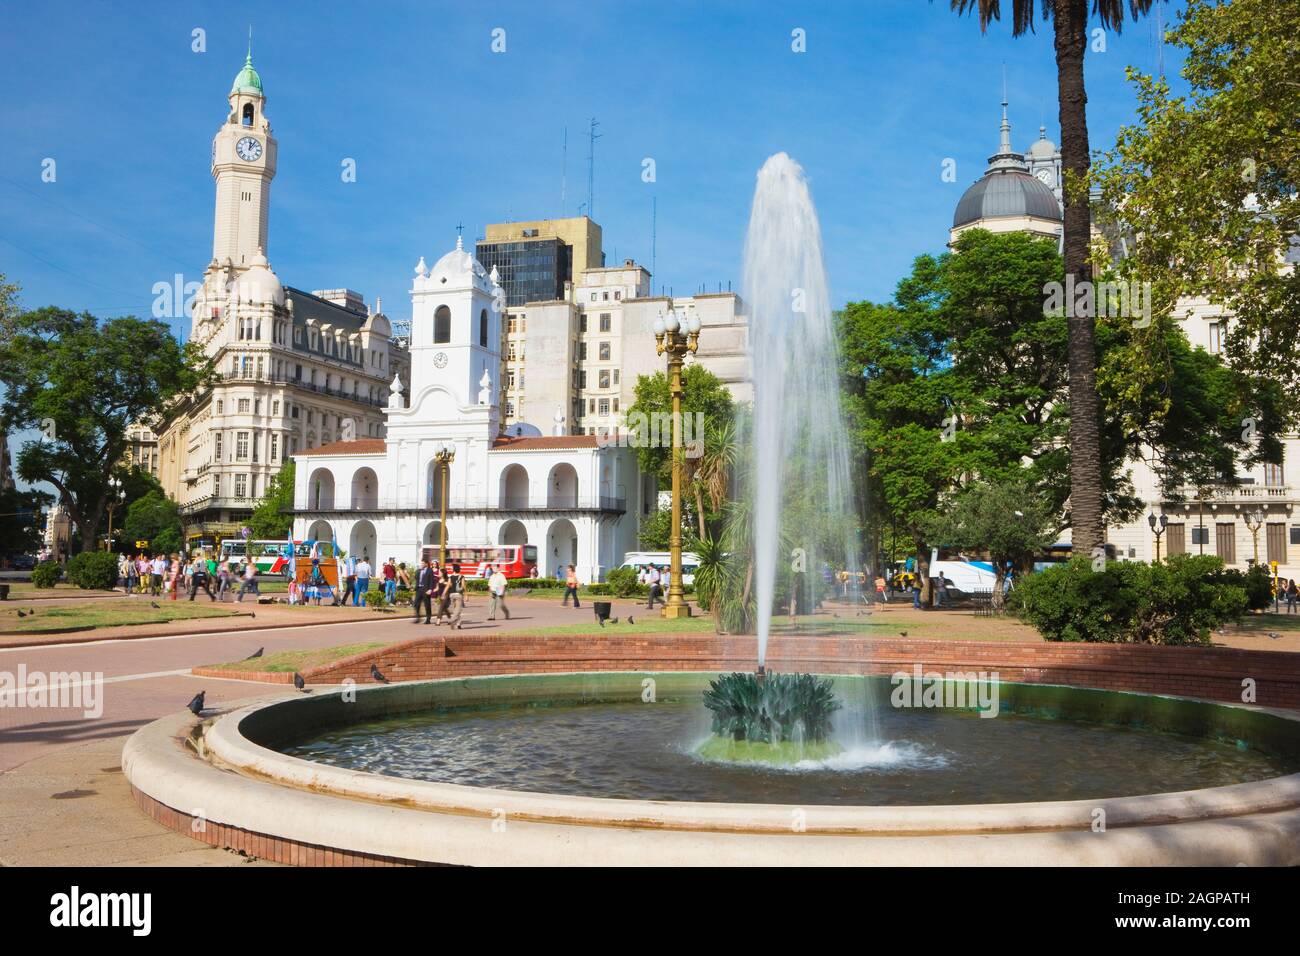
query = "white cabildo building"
x=576 y=501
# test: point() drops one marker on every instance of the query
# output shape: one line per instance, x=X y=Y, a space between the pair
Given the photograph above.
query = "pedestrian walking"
x=655 y=581
x=1292 y=596
x=363 y=572
x=497 y=592
x=424 y=586
x=249 y=583
x=390 y=581
x=455 y=596
x=943 y=590
x=570 y=585
x=156 y=568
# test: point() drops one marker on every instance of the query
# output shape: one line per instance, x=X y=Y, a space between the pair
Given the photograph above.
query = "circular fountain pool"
x=606 y=741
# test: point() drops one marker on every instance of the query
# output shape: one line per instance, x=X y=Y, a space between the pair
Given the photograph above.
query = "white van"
x=663 y=560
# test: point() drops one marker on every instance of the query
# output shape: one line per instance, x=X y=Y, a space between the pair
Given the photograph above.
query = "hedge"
x=93 y=570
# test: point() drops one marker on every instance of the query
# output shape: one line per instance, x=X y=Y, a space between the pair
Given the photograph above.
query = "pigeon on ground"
x=1274 y=634
x=155 y=604
x=196 y=705
x=22 y=613
x=374 y=672
x=902 y=633
x=629 y=619
x=298 y=682
x=256 y=654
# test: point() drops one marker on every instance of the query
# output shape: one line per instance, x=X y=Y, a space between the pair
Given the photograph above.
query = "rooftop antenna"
x=250 y=42
x=591 y=169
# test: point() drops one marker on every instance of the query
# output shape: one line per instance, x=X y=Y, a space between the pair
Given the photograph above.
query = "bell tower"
x=243 y=165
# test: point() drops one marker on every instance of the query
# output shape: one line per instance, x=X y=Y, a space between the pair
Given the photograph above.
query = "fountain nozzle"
x=761 y=673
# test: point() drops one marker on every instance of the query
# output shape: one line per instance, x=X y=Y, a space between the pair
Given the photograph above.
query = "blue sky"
x=444 y=131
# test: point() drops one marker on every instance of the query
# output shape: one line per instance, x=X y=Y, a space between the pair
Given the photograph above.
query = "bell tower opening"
x=248 y=114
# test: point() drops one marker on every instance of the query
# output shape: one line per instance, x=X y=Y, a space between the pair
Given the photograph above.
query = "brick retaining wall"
x=1214 y=673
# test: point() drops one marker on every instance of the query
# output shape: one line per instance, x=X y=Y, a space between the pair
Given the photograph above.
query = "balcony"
x=1261 y=495
x=271 y=379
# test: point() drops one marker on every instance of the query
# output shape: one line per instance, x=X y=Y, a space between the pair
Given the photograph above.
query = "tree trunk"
x=999 y=582
x=1088 y=532
x=923 y=571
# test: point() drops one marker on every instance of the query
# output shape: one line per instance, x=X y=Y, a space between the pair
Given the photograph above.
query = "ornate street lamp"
x=444 y=456
x=114 y=489
x=1255 y=521
x=676 y=337
x=1157 y=523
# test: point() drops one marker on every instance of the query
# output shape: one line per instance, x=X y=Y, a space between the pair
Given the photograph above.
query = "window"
x=219 y=404
x=1200 y=534
x=1225 y=542
x=618 y=294
x=510 y=353
x=510 y=409
x=582 y=379
x=241 y=446
x=605 y=321
x=275 y=407
x=1216 y=337
x=243 y=406
x=1175 y=539
x=257 y=406
x=582 y=323
x=441 y=325
x=604 y=378
x=512 y=325
x=604 y=351
x=616 y=405
x=241 y=486
x=1273 y=476
x=582 y=351
x=605 y=296
x=483 y=328
x=615 y=376
x=275 y=447
x=603 y=406
x=1276 y=538
x=216 y=446
x=593 y=297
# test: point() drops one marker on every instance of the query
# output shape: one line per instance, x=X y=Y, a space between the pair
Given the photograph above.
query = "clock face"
x=440 y=360
x=249 y=149
x=1046 y=177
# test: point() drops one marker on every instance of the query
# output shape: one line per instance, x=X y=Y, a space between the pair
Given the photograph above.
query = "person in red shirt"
x=390 y=581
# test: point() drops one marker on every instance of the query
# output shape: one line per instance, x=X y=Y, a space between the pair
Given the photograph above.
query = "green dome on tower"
x=247 y=81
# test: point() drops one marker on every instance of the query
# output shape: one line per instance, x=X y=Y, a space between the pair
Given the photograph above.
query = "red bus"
x=516 y=560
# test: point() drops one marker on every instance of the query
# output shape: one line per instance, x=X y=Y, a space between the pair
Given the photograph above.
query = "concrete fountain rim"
x=227 y=749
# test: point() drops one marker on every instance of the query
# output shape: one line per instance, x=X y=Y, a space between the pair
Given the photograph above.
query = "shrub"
x=768 y=711
x=1178 y=601
x=403 y=596
x=1256 y=582
x=374 y=598
x=623 y=583
x=46 y=574
x=93 y=570
x=599 y=589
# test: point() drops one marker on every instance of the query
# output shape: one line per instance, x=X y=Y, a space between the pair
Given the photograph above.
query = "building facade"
x=294 y=369
x=1253 y=516
x=570 y=496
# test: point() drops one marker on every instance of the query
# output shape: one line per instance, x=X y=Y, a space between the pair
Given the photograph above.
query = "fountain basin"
x=250 y=796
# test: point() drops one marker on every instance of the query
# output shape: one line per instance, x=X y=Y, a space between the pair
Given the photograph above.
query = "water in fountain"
x=800 y=487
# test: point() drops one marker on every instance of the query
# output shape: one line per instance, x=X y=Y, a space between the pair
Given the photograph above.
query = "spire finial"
x=460 y=227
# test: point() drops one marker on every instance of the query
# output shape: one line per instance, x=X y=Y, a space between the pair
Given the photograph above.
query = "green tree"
x=273 y=516
x=703 y=393
x=153 y=518
x=21 y=518
x=82 y=382
x=1070 y=28
x=1212 y=180
x=1008 y=518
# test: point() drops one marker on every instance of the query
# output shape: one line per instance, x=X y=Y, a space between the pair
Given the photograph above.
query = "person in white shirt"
x=656 y=592
x=497 y=590
x=156 y=569
x=363 y=581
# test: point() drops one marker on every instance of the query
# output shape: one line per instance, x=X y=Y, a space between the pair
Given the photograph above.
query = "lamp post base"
x=676 y=610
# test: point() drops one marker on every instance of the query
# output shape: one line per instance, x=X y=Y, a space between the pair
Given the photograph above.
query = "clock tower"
x=243 y=164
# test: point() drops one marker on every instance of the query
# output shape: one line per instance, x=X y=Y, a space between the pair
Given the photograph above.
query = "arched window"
x=248 y=114
x=441 y=325
x=483 y=328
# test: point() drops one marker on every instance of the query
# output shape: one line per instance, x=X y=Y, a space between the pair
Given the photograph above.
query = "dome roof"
x=457 y=269
x=1043 y=148
x=258 y=284
x=1006 y=192
x=247 y=80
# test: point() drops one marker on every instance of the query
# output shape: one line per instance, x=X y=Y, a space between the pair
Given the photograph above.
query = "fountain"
x=799 y=476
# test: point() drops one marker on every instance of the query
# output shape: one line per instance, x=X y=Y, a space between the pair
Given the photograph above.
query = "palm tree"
x=1070 y=22
x=709 y=475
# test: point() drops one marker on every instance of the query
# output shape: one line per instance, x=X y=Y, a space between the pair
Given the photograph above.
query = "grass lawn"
x=285 y=662
x=1262 y=623
x=106 y=613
